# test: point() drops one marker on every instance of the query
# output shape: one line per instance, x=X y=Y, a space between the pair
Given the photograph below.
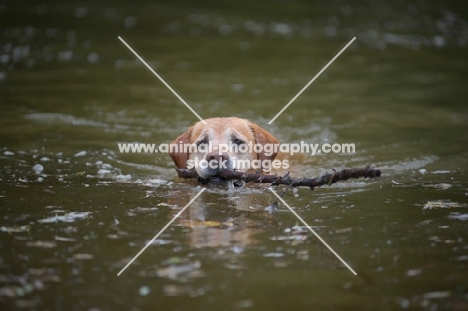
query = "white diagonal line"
x=312 y=230
x=162 y=80
x=313 y=79
x=159 y=233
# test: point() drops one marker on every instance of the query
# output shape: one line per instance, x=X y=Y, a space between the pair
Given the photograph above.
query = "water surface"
x=75 y=210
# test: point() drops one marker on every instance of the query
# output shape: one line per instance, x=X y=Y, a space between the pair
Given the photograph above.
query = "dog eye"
x=238 y=142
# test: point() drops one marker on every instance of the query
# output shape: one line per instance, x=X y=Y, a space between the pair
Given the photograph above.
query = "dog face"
x=219 y=132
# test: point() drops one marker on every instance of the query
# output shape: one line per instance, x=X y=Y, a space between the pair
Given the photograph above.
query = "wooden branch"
x=274 y=180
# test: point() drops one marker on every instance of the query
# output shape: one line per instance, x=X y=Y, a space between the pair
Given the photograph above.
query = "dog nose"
x=221 y=159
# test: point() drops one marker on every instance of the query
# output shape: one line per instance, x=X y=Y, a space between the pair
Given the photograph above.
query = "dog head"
x=220 y=144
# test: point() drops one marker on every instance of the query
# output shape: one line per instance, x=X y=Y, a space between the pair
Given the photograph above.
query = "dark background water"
x=74 y=210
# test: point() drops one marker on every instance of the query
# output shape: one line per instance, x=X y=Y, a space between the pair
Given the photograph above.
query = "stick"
x=274 y=180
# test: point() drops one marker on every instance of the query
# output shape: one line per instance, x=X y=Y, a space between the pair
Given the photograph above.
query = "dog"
x=211 y=139
x=202 y=218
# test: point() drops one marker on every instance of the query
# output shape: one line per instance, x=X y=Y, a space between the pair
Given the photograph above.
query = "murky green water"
x=74 y=210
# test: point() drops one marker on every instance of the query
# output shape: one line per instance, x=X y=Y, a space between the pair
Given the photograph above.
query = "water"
x=75 y=210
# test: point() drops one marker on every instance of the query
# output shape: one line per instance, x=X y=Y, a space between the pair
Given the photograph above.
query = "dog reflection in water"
x=220 y=219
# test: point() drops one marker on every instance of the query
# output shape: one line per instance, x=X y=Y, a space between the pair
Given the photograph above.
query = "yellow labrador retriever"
x=223 y=143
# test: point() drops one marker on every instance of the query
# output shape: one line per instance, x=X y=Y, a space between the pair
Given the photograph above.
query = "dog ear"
x=177 y=154
x=263 y=137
